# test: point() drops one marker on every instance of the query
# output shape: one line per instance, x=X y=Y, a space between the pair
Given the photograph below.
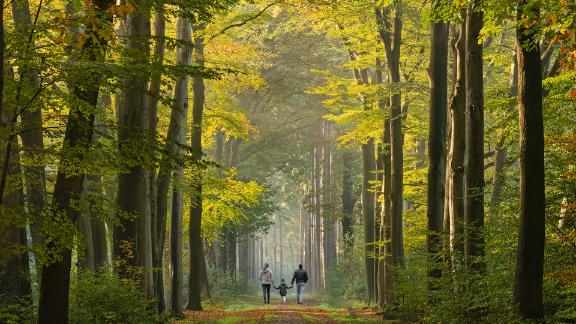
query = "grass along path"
x=310 y=312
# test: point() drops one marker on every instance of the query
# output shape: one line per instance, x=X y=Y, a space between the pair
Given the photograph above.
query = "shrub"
x=105 y=298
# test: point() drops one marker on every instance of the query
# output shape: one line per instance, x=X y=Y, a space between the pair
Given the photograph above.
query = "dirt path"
x=282 y=314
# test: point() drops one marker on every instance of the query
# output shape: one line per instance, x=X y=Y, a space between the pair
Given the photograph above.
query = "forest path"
x=311 y=312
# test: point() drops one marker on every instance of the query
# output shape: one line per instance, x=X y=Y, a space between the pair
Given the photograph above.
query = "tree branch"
x=242 y=23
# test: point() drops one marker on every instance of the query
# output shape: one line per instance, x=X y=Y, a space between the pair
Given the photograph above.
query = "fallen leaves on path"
x=280 y=313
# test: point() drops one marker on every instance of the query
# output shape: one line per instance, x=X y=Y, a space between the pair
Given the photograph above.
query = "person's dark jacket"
x=300 y=276
x=283 y=289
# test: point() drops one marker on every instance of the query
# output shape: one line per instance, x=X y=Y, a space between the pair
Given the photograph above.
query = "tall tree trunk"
x=391 y=35
x=474 y=155
x=385 y=288
x=98 y=231
x=95 y=186
x=231 y=242
x=158 y=221
x=86 y=244
x=32 y=134
x=179 y=117
x=457 y=108
x=348 y=200
x=317 y=219
x=328 y=218
x=280 y=245
x=530 y=258
x=308 y=230
x=15 y=284
x=55 y=282
x=501 y=150
x=302 y=236
x=219 y=251
x=368 y=207
x=133 y=185
x=437 y=148
x=195 y=232
x=379 y=195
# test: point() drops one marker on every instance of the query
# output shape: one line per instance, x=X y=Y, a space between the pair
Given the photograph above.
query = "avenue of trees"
x=416 y=156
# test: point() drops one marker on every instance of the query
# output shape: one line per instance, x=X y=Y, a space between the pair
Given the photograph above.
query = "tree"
x=436 y=143
x=457 y=144
x=158 y=222
x=195 y=231
x=55 y=282
x=32 y=136
x=531 y=240
x=133 y=184
x=474 y=154
x=179 y=115
x=391 y=34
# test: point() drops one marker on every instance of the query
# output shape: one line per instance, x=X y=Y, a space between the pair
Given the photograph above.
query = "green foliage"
x=346 y=280
x=228 y=288
x=19 y=311
x=105 y=298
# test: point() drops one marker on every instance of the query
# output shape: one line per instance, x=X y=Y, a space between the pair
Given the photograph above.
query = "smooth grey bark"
x=531 y=240
x=158 y=223
x=368 y=207
x=384 y=282
x=195 y=226
x=379 y=195
x=133 y=185
x=326 y=208
x=302 y=232
x=95 y=186
x=178 y=121
x=32 y=134
x=280 y=245
x=391 y=35
x=308 y=226
x=437 y=148
x=455 y=171
x=86 y=245
x=474 y=153
x=15 y=283
x=317 y=220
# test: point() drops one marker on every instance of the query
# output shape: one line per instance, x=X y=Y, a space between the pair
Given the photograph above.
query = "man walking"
x=301 y=277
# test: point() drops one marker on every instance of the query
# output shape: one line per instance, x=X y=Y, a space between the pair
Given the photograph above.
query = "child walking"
x=283 y=290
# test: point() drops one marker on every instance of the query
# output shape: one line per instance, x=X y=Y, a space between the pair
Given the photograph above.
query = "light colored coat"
x=266 y=277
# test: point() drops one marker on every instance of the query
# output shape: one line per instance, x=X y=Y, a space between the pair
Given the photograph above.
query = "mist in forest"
x=272 y=161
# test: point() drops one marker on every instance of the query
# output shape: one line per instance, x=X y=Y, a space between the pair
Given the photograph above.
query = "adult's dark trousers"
x=266 y=291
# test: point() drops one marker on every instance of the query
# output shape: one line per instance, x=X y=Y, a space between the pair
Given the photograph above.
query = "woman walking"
x=266 y=280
